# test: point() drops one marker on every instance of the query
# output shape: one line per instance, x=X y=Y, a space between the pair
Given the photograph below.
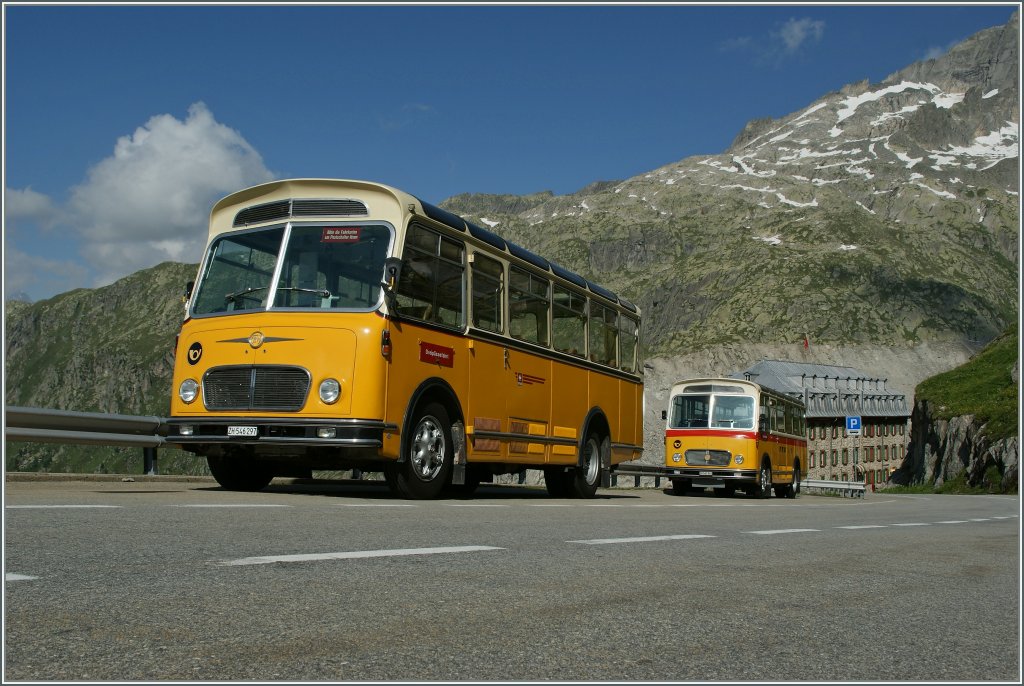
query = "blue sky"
x=124 y=124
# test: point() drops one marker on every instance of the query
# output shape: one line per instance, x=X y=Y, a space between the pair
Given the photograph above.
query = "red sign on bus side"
x=437 y=354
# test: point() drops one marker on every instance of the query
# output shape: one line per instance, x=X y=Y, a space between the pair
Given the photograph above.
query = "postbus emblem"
x=255 y=339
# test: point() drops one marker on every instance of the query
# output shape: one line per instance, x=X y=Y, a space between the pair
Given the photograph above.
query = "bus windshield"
x=712 y=411
x=321 y=267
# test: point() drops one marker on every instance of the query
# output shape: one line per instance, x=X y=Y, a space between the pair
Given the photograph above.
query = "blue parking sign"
x=853 y=426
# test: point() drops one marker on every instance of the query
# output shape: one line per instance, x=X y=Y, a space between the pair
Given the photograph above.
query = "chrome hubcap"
x=428 y=449
x=591 y=462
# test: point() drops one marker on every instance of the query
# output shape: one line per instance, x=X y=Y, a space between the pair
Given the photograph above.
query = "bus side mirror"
x=392 y=270
x=762 y=425
x=664 y=415
x=188 y=291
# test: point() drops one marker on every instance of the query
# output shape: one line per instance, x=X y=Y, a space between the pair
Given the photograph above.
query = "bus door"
x=527 y=379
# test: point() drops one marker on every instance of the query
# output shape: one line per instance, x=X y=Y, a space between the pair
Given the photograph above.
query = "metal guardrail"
x=40 y=425
x=854 y=489
x=844 y=488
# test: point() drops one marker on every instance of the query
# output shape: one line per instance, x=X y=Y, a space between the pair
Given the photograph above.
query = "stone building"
x=831 y=394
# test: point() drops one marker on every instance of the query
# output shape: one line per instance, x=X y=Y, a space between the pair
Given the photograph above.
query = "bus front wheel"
x=763 y=487
x=239 y=474
x=427 y=467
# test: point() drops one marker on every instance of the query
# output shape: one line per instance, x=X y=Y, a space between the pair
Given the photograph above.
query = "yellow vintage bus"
x=731 y=434
x=340 y=325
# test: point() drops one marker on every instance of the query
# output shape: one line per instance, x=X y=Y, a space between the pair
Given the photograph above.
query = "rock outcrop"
x=944 y=450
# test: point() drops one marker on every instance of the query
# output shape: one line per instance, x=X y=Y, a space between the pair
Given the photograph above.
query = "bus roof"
x=275 y=200
x=720 y=384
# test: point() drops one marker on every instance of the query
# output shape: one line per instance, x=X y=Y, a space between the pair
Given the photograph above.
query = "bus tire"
x=680 y=486
x=239 y=474
x=763 y=487
x=427 y=467
x=587 y=476
x=558 y=482
x=794 y=488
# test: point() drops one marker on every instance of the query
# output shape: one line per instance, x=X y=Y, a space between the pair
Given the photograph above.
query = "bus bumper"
x=711 y=478
x=191 y=433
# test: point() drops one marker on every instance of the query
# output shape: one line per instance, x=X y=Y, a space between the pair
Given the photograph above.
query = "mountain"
x=882 y=213
x=880 y=222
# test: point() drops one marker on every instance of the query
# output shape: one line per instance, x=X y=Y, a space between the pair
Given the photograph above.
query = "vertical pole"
x=149 y=461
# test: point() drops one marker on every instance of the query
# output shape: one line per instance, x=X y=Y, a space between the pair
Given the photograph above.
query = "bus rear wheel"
x=239 y=474
x=427 y=467
x=794 y=488
x=586 y=477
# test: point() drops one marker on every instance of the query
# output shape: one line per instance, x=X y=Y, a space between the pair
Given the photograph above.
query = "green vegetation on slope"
x=983 y=387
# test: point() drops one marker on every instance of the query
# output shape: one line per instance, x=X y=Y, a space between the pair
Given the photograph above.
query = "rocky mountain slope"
x=881 y=222
x=964 y=425
x=883 y=213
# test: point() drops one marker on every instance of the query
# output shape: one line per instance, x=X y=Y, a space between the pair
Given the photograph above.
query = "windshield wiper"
x=231 y=297
x=322 y=292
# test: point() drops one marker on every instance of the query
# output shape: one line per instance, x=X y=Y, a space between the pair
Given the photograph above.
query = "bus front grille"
x=263 y=387
x=714 y=458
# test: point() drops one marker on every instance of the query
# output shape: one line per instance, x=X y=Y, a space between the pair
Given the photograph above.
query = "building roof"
x=829 y=391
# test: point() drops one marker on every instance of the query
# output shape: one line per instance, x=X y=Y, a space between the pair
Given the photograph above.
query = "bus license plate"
x=707 y=473
x=243 y=431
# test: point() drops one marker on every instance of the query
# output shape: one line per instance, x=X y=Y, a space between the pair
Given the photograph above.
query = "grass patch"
x=982 y=387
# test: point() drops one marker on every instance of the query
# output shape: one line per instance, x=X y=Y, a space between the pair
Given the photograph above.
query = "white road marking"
x=913 y=524
x=61 y=507
x=979 y=520
x=771 y=532
x=953 y=521
x=378 y=505
x=231 y=505
x=354 y=555
x=863 y=526
x=10 y=576
x=476 y=505
x=640 y=539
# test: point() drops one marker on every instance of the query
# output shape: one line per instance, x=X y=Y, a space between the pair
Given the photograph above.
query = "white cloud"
x=25 y=204
x=150 y=201
x=796 y=32
x=24 y=273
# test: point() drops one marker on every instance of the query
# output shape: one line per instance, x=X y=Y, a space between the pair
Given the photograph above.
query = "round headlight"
x=739 y=459
x=189 y=390
x=330 y=391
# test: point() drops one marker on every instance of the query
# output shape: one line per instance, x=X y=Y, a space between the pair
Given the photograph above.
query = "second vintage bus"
x=731 y=434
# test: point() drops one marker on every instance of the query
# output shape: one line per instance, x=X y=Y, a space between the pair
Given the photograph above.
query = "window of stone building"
x=871 y=453
x=822 y=462
x=821 y=432
x=811 y=456
x=856 y=455
x=846 y=456
x=869 y=430
x=835 y=432
x=835 y=458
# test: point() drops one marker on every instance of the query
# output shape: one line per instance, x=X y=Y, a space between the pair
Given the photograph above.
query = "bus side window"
x=603 y=333
x=569 y=321
x=488 y=293
x=432 y=276
x=528 y=306
x=628 y=339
